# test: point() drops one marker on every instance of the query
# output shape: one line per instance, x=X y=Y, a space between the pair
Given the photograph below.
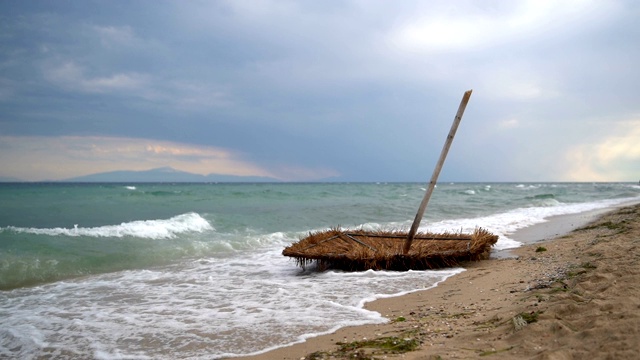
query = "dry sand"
x=578 y=299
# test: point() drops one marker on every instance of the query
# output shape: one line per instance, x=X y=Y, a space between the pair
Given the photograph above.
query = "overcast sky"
x=306 y=90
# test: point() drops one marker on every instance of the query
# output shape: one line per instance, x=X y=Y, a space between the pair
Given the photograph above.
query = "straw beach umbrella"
x=395 y=250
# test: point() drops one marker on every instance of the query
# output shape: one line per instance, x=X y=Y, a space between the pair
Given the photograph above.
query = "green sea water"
x=85 y=266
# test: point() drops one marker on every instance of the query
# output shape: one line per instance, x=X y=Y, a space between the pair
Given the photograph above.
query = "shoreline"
x=554 y=227
x=472 y=312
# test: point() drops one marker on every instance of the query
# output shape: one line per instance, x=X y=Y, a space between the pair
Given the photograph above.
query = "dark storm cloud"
x=303 y=90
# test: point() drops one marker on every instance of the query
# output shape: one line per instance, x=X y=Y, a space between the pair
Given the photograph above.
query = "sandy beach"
x=571 y=292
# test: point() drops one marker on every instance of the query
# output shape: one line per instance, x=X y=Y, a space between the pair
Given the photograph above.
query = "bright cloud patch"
x=455 y=28
x=614 y=158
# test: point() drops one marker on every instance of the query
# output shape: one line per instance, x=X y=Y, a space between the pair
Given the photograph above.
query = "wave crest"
x=151 y=229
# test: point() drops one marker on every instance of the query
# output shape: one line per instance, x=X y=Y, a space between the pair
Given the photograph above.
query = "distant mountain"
x=165 y=174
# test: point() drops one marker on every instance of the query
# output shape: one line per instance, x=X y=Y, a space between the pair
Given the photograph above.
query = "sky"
x=308 y=90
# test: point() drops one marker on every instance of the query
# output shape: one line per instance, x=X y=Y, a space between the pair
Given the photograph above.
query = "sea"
x=195 y=271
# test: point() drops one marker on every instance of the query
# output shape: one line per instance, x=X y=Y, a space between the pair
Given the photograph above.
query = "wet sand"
x=563 y=295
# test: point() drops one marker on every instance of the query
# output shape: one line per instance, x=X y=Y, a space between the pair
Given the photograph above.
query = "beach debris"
x=358 y=250
x=519 y=322
x=525 y=318
x=541 y=249
x=366 y=349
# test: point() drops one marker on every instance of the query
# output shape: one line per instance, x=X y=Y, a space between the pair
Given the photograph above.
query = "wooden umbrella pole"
x=436 y=171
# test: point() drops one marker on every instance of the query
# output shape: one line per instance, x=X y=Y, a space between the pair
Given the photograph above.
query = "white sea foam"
x=153 y=229
x=527 y=187
x=130 y=187
x=506 y=223
x=199 y=309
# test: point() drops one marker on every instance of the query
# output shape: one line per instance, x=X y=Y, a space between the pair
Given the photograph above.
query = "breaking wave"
x=150 y=229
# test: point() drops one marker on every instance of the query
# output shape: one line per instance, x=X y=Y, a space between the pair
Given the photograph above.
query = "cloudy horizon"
x=304 y=90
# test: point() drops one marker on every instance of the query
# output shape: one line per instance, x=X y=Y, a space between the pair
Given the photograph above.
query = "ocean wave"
x=548 y=202
x=530 y=186
x=151 y=229
x=543 y=196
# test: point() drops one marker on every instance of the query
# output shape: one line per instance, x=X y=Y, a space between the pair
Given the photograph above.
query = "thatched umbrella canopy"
x=383 y=250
